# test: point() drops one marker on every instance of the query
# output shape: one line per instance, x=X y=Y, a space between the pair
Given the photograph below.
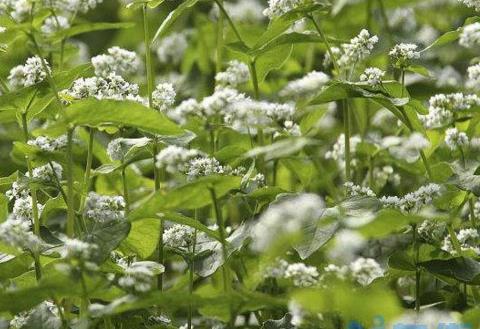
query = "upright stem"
x=471 y=205
x=327 y=44
x=229 y=19
x=346 y=128
x=33 y=190
x=219 y=38
x=191 y=275
x=417 y=269
x=125 y=190
x=88 y=168
x=70 y=196
x=223 y=241
x=253 y=72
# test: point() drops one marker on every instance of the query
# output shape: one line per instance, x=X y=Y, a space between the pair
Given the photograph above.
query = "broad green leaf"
x=192 y=195
x=463 y=269
x=86 y=28
x=143 y=238
x=388 y=221
x=172 y=17
x=281 y=149
x=107 y=236
x=272 y=60
x=94 y=113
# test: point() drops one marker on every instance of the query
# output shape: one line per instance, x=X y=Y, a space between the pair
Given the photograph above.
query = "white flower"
x=365 y=270
x=138 y=276
x=276 y=270
x=186 y=108
x=49 y=144
x=403 y=53
x=172 y=47
x=356 y=190
x=475 y=4
x=29 y=74
x=337 y=152
x=242 y=11
x=22 y=209
x=118 y=61
x=373 y=76
x=179 y=236
x=406 y=148
x=104 y=208
x=17 y=233
x=119 y=147
x=54 y=24
x=164 y=96
x=205 y=166
x=78 y=249
x=297 y=312
x=474 y=77
x=48 y=172
x=236 y=74
x=431 y=230
x=468 y=238
x=278 y=8
x=413 y=201
x=470 y=36
x=175 y=159
x=302 y=275
x=306 y=86
x=455 y=139
x=358 y=48
x=346 y=245
x=286 y=217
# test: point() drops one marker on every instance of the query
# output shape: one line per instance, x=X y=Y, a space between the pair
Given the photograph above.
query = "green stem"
x=70 y=211
x=191 y=276
x=346 y=128
x=417 y=269
x=88 y=168
x=219 y=39
x=253 y=72
x=327 y=44
x=125 y=190
x=229 y=19
x=384 y=15
x=471 y=205
x=33 y=190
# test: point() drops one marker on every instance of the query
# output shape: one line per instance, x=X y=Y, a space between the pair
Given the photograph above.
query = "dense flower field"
x=239 y=164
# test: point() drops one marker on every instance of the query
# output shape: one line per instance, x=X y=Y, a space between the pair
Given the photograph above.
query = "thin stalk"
x=384 y=15
x=88 y=168
x=219 y=39
x=417 y=269
x=346 y=128
x=471 y=206
x=253 y=72
x=33 y=190
x=191 y=276
x=325 y=41
x=125 y=190
x=84 y=301
x=229 y=19
x=70 y=196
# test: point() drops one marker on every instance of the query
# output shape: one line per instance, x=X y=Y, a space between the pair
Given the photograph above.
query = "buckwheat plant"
x=239 y=163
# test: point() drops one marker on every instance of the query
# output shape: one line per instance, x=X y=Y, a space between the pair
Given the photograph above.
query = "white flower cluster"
x=17 y=233
x=175 y=159
x=470 y=36
x=406 y=148
x=104 y=208
x=386 y=174
x=277 y=8
x=49 y=144
x=337 y=152
x=138 y=276
x=442 y=106
x=357 y=49
x=431 y=230
x=473 y=77
x=403 y=53
x=54 y=24
x=413 y=201
x=286 y=217
x=469 y=239
x=22 y=208
x=29 y=74
x=47 y=173
x=72 y=6
x=179 y=237
x=300 y=274
x=347 y=244
x=306 y=86
x=357 y=190
x=206 y=166
x=111 y=87
x=79 y=250
x=19 y=10
x=118 y=61
x=236 y=74
x=172 y=48
x=242 y=11
x=455 y=139
x=163 y=96
x=372 y=76
x=365 y=270
x=119 y=147
x=475 y=4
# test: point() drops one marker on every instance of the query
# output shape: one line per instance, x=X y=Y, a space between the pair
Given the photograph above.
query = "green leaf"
x=107 y=236
x=95 y=113
x=184 y=220
x=466 y=270
x=142 y=239
x=172 y=17
x=192 y=195
x=272 y=60
x=281 y=149
x=283 y=323
x=388 y=221
x=87 y=27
